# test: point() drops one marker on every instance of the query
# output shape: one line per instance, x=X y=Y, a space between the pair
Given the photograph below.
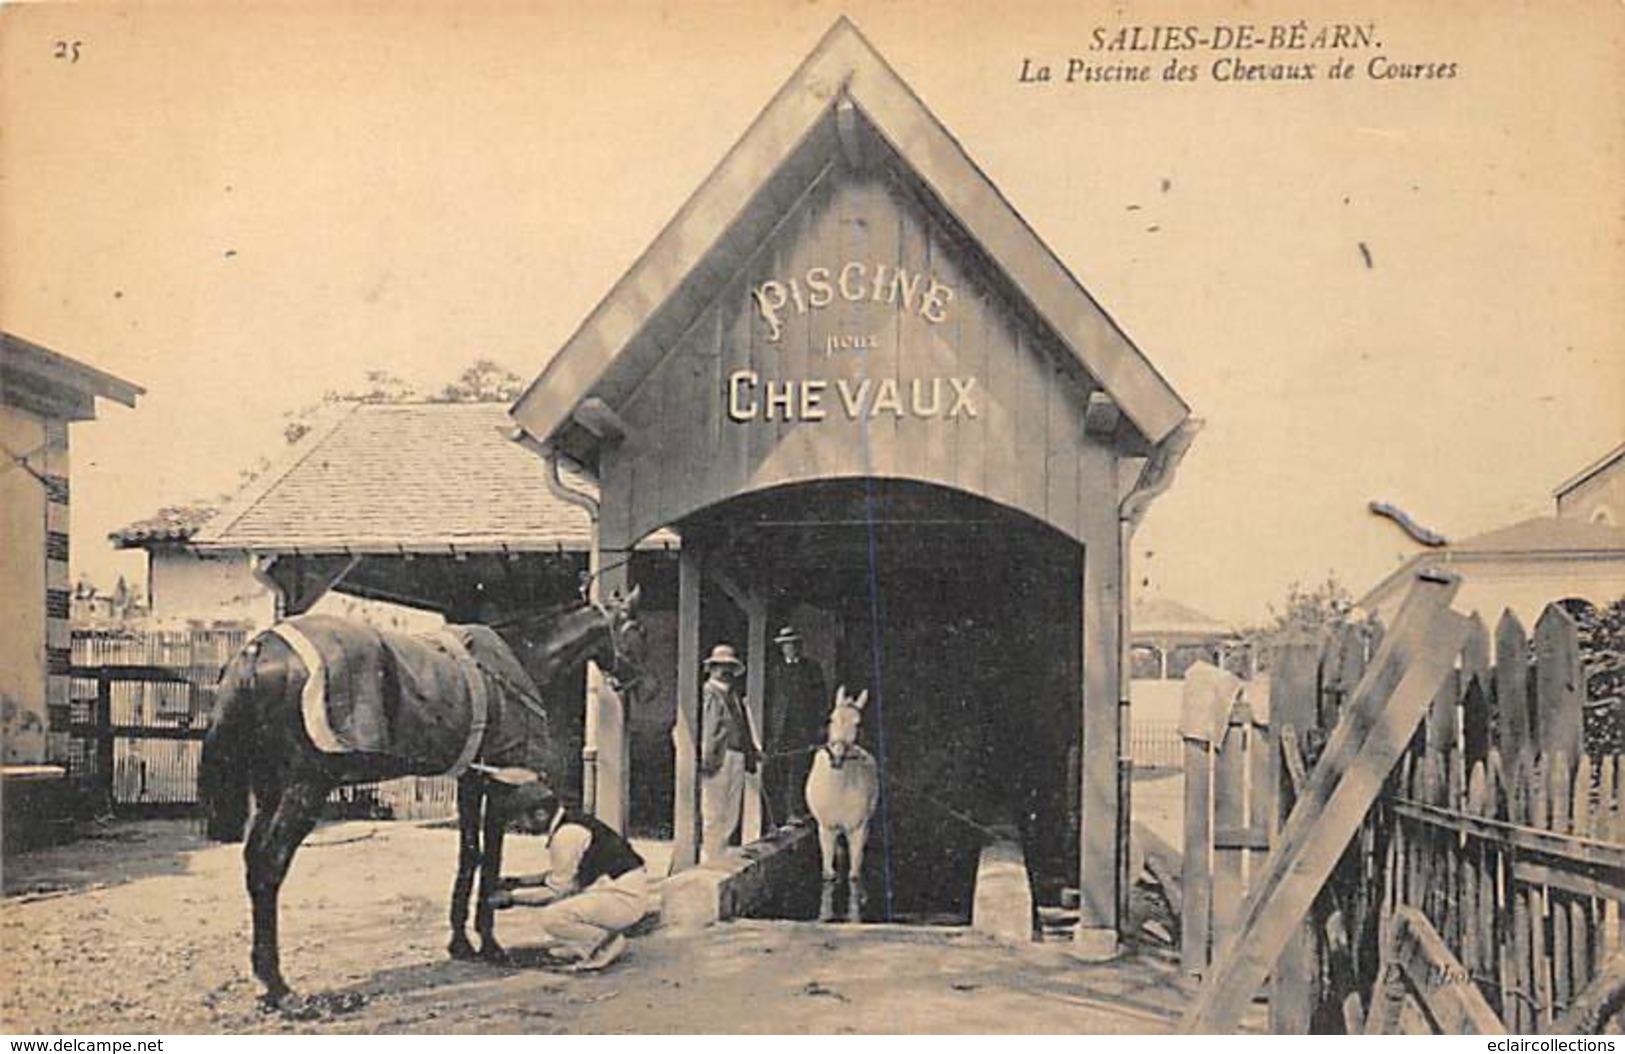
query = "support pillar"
x=685 y=849
x=607 y=749
x=1099 y=845
x=755 y=692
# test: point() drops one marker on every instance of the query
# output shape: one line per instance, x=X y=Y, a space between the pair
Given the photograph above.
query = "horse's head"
x=555 y=640
x=844 y=721
x=623 y=653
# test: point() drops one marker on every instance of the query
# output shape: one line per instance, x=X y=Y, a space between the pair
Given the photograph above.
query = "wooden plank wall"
x=1025 y=446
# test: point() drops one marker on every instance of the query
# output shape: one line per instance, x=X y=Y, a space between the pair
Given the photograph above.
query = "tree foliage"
x=1602 y=657
x=481 y=381
x=1304 y=612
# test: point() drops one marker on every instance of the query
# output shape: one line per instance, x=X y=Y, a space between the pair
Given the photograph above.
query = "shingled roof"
x=408 y=478
x=172 y=523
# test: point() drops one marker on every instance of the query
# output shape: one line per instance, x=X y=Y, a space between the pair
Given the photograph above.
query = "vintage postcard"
x=885 y=517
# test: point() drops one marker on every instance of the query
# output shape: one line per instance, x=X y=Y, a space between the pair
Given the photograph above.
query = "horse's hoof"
x=461 y=950
x=273 y=1002
x=495 y=954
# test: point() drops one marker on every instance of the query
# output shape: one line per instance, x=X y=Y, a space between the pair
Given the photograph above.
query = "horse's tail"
x=222 y=779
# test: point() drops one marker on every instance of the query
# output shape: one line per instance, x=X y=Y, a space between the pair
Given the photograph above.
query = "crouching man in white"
x=595 y=888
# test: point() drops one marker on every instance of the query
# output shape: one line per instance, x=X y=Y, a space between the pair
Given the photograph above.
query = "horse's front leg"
x=856 y=899
x=490 y=882
x=470 y=796
x=826 y=851
x=278 y=829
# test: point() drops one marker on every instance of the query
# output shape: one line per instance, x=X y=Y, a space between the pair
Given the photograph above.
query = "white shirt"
x=566 y=844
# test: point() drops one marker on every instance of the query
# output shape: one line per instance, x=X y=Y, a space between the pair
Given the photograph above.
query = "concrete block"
x=734 y=885
x=1002 y=906
x=1095 y=944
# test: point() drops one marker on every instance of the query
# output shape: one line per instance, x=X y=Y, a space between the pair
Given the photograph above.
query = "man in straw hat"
x=797 y=700
x=727 y=750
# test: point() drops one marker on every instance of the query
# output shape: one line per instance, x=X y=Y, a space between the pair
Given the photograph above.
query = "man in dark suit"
x=798 y=701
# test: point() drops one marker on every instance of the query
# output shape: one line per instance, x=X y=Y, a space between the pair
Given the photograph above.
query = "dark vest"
x=607 y=854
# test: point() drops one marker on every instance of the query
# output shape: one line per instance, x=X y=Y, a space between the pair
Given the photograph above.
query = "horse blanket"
x=437 y=701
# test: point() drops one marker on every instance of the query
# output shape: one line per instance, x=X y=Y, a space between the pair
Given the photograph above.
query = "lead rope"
x=900 y=784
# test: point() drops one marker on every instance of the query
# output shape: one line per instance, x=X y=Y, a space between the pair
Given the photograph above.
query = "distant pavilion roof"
x=1158 y=616
x=405 y=478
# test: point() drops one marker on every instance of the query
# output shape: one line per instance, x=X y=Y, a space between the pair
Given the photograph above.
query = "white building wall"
x=22 y=595
x=188 y=586
x=184 y=586
x=1600 y=499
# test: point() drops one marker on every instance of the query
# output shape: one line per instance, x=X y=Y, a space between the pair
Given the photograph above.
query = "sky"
x=1402 y=290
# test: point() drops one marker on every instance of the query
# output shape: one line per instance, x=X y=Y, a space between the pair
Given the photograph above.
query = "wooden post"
x=685 y=849
x=1097 y=931
x=1376 y=724
x=1195 y=924
x=1229 y=821
x=1293 y=695
x=756 y=660
x=611 y=768
x=104 y=738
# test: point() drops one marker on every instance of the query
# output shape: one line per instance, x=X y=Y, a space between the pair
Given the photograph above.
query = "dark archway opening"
x=962 y=619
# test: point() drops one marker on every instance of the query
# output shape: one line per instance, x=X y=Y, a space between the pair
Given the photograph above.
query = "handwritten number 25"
x=67 y=49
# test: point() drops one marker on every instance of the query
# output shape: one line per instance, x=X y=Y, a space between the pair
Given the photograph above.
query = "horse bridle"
x=615 y=676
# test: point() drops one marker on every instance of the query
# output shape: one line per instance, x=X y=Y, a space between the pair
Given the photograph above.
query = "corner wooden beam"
x=599 y=418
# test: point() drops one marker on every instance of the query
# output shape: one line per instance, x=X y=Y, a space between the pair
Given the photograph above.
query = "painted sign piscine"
x=852 y=282
x=753 y=397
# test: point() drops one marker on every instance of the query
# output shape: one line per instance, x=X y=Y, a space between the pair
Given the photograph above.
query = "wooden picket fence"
x=1495 y=853
x=1504 y=834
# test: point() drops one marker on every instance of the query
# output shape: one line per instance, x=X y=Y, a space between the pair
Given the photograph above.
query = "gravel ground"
x=143 y=928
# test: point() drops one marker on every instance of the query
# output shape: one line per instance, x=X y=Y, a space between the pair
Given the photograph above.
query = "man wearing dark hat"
x=727 y=750
x=595 y=887
x=797 y=701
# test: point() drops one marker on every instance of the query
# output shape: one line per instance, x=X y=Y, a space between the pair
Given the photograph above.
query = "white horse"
x=842 y=789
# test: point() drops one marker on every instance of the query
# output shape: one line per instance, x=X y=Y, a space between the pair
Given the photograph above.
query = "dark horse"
x=258 y=743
